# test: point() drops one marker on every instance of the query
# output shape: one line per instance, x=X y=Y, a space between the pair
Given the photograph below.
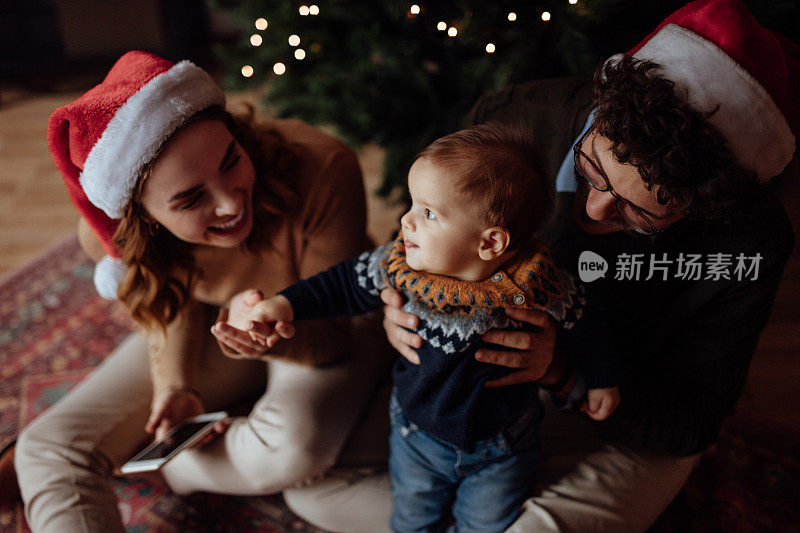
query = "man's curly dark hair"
x=671 y=144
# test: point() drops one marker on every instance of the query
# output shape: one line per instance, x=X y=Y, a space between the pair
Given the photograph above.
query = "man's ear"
x=494 y=242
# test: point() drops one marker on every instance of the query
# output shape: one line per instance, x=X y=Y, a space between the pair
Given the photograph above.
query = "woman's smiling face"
x=201 y=186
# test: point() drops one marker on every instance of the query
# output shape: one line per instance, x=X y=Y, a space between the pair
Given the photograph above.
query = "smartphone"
x=181 y=436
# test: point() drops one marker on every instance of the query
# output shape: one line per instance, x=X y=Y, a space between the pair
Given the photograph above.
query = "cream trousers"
x=583 y=484
x=294 y=432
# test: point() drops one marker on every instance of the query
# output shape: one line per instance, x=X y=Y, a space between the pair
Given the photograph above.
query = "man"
x=664 y=210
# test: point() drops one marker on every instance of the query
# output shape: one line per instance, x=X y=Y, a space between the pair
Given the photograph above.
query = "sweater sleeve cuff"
x=576 y=395
x=600 y=376
x=301 y=299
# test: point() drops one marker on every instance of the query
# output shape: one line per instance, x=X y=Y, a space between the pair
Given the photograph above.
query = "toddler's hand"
x=240 y=307
x=251 y=325
x=270 y=320
x=600 y=403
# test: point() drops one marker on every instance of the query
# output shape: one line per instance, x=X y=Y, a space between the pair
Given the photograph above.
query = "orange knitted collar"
x=529 y=280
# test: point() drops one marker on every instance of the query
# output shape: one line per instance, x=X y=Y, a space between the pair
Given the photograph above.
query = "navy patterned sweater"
x=445 y=395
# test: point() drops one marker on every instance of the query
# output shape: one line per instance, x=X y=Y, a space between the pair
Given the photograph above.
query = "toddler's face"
x=442 y=233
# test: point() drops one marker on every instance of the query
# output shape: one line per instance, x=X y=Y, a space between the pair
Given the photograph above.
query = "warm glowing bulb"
x=247 y=71
x=546 y=16
x=256 y=40
x=294 y=40
x=512 y=16
x=490 y=48
x=414 y=9
x=279 y=68
x=573 y=2
x=441 y=26
x=304 y=11
x=300 y=53
x=314 y=10
x=261 y=24
x=452 y=32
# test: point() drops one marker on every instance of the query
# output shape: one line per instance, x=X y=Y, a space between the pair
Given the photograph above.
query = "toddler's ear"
x=494 y=242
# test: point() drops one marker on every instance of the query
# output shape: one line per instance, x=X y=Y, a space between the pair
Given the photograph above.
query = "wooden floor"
x=34 y=208
x=35 y=213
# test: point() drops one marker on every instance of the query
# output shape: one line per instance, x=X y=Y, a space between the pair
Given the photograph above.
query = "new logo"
x=591 y=266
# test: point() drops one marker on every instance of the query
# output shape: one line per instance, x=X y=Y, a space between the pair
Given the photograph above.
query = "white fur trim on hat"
x=139 y=128
x=756 y=130
x=108 y=274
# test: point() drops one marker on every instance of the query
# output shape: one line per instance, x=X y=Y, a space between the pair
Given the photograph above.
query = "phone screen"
x=173 y=440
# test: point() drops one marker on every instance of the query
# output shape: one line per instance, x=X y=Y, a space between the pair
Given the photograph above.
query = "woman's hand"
x=394 y=320
x=170 y=408
x=535 y=348
x=240 y=332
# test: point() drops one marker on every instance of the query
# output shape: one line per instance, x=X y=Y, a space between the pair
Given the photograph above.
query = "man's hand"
x=535 y=348
x=394 y=322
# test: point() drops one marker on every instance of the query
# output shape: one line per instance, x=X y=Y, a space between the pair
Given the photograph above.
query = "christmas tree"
x=401 y=74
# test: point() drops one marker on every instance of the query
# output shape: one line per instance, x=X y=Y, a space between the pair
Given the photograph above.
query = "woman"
x=191 y=206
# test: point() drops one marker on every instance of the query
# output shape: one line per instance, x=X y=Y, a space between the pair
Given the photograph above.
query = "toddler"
x=465 y=254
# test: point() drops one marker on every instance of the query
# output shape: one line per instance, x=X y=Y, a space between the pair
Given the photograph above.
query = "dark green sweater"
x=685 y=345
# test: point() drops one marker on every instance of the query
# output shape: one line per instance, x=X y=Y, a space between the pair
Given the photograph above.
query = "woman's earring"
x=153 y=227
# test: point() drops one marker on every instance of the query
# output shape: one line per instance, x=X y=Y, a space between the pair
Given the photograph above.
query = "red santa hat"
x=101 y=141
x=721 y=58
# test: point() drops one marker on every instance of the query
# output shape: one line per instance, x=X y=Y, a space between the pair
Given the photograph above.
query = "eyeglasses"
x=637 y=219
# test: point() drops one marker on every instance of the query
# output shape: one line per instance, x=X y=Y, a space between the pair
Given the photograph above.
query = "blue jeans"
x=484 y=488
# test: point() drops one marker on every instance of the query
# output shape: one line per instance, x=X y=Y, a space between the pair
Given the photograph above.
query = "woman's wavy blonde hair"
x=161 y=267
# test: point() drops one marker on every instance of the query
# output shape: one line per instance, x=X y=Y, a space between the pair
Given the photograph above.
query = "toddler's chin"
x=414 y=264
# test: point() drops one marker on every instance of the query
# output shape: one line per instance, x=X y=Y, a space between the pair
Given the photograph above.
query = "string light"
x=490 y=48
x=279 y=68
x=452 y=32
x=299 y=54
x=414 y=9
x=546 y=16
x=256 y=40
x=294 y=40
x=304 y=11
x=314 y=9
x=441 y=26
x=247 y=71
x=261 y=24
x=573 y=2
x=512 y=16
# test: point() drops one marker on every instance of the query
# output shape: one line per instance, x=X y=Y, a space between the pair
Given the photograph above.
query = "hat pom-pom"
x=108 y=274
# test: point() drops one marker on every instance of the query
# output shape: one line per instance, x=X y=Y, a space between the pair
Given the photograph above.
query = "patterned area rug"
x=53 y=329
x=749 y=481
